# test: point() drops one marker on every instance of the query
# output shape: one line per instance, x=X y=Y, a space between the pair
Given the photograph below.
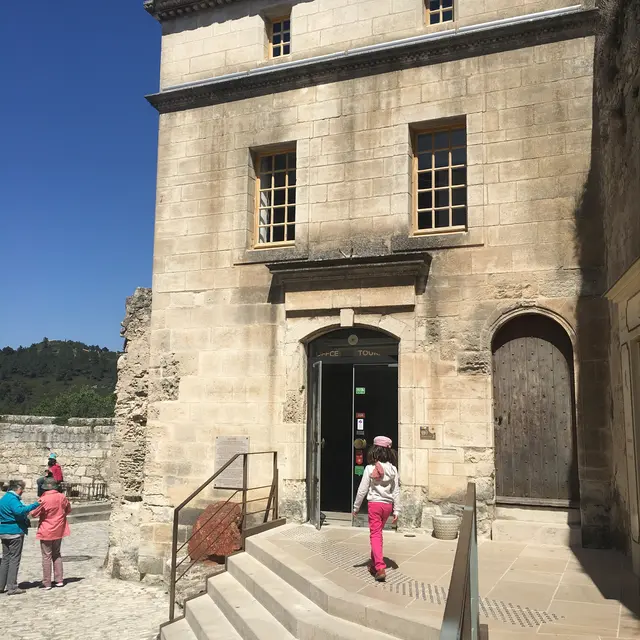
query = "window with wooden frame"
x=276 y=197
x=279 y=36
x=440 y=179
x=439 y=11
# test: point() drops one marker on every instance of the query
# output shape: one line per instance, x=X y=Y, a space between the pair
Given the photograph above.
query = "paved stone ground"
x=91 y=606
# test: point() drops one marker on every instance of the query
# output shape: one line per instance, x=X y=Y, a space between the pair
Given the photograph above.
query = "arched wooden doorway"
x=534 y=413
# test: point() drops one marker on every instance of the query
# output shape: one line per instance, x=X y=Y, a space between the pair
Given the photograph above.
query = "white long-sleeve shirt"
x=387 y=489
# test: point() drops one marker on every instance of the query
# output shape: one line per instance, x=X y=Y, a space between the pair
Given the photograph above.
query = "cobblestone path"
x=91 y=606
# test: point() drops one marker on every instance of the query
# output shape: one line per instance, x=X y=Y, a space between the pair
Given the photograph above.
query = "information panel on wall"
x=226 y=448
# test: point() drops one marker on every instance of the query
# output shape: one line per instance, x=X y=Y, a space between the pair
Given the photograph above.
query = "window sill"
x=263 y=254
x=438 y=240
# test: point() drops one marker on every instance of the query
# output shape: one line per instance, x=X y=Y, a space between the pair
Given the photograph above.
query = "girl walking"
x=53 y=526
x=381 y=485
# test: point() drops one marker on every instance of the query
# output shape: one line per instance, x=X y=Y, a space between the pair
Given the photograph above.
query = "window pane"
x=425 y=180
x=459 y=176
x=442 y=159
x=458 y=138
x=291 y=232
x=434 y=5
x=434 y=18
x=292 y=178
x=447 y=16
x=279 y=196
x=266 y=164
x=265 y=198
x=278 y=215
x=442 y=140
x=291 y=196
x=287 y=25
x=425 y=141
x=291 y=214
x=291 y=160
x=286 y=50
x=460 y=217
x=425 y=221
x=277 y=27
x=424 y=200
x=278 y=233
x=446 y=4
x=442 y=178
x=279 y=179
x=442 y=198
x=265 y=234
x=424 y=161
x=277 y=38
x=281 y=161
x=459 y=156
x=459 y=196
x=442 y=218
x=286 y=37
x=277 y=51
x=265 y=216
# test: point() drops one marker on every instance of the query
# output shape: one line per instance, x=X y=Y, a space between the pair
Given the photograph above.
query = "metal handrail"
x=461 y=619
x=271 y=508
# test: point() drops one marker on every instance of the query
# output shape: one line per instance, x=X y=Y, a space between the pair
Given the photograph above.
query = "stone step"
x=207 y=621
x=547 y=533
x=93 y=507
x=537 y=514
x=372 y=613
x=248 y=617
x=179 y=630
x=88 y=516
x=299 y=615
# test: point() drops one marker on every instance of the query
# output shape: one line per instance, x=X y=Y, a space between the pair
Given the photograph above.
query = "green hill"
x=60 y=378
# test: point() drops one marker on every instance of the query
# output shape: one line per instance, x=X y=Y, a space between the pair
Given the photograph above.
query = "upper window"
x=439 y=11
x=440 y=179
x=280 y=37
x=276 y=197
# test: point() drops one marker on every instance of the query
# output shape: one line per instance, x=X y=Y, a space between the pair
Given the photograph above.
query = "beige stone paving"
x=90 y=606
x=590 y=591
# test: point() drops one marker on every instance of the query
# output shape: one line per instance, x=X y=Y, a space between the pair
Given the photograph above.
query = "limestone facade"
x=230 y=341
x=616 y=182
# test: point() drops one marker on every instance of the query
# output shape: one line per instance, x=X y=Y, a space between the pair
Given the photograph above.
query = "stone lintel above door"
x=372 y=283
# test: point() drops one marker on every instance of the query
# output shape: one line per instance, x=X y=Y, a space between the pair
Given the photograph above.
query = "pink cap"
x=382 y=441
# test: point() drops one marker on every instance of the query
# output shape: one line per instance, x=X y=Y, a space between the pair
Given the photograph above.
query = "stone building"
x=368 y=221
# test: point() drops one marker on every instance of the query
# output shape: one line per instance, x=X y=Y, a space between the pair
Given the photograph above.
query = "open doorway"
x=353 y=398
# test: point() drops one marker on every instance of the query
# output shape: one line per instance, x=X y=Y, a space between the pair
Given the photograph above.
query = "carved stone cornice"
x=419 y=51
x=167 y=9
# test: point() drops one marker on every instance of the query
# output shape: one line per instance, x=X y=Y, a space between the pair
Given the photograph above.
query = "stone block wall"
x=227 y=358
x=83 y=446
x=232 y=38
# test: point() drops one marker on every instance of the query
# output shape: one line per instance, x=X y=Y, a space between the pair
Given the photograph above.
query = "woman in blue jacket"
x=14 y=523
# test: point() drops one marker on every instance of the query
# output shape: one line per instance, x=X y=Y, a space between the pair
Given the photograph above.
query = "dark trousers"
x=11 y=554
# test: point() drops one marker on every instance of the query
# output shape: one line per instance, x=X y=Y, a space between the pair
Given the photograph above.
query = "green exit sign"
x=360 y=391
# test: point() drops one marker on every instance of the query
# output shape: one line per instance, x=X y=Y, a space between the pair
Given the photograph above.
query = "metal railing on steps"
x=461 y=614
x=227 y=516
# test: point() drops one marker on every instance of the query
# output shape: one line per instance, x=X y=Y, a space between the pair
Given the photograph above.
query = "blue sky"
x=77 y=166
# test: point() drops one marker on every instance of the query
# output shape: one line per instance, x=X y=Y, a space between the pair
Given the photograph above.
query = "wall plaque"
x=427 y=433
x=226 y=448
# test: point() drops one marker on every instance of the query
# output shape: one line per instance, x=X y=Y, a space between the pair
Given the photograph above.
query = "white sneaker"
x=46 y=588
x=59 y=584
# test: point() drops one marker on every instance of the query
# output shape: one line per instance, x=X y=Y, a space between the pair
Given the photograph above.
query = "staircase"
x=559 y=527
x=266 y=594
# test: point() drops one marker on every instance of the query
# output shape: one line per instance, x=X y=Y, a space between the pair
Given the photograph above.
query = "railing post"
x=174 y=553
x=275 y=484
x=245 y=461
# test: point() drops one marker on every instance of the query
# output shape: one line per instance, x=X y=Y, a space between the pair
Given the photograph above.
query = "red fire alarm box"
x=359 y=457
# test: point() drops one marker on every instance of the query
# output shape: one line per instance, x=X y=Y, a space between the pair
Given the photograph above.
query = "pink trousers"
x=379 y=513
x=51 y=554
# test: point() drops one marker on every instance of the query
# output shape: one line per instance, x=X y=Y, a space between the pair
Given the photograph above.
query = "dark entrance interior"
x=358 y=400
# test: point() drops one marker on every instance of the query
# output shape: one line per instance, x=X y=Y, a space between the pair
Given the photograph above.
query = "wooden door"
x=534 y=413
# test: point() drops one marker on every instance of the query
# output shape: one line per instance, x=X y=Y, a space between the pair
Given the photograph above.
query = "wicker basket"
x=445 y=527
